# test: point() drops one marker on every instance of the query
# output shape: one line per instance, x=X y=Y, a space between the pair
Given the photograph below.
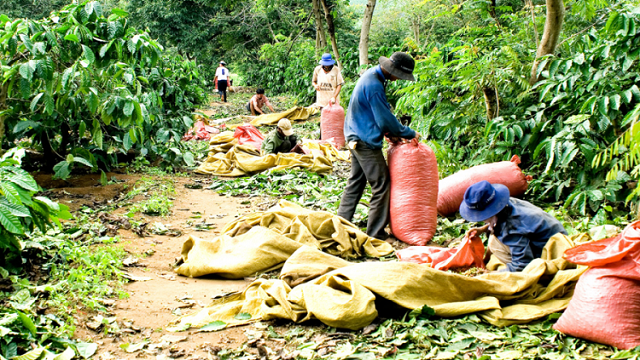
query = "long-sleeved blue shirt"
x=525 y=230
x=369 y=115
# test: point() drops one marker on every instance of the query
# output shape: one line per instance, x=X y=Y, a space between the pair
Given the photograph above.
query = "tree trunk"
x=3 y=106
x=321 y=37
x=332 y=31
x=491 y=102
x=550 y=36
x=415 y=26
x=363 y=48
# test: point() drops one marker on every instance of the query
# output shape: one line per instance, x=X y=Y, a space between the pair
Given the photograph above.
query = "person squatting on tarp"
x=520 y=229
x=328 y=81
x=256 y=103
x=369 y=119
x=222 y=80
x=281 y=140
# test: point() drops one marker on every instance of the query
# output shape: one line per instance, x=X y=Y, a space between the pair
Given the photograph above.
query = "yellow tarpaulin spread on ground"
x=343 y=294
x=264 y=241
x=227 y=158
x=293 y=114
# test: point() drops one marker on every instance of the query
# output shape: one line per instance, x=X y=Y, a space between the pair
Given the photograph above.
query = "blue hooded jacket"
x=369 y=115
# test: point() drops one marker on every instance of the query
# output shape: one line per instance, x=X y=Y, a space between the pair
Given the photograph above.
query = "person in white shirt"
x=222 y=80
x=328 y=81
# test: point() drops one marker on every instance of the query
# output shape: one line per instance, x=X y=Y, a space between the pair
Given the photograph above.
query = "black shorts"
x=222 y=85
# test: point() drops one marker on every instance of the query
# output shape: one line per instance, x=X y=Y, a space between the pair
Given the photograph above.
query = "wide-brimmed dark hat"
x=399 y=65
x=482 y=200
x=326 y=60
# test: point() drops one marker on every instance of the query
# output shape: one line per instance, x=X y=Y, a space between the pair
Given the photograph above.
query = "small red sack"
x=198 y=132
x=605 y=306
x=248 y=135
x=507 y=173
x=332 y=124
x=413 y=169
x=469 y=253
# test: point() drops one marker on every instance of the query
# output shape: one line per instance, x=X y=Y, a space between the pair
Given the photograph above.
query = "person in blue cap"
x=328 y=81
x=369 y=119
x=521 y=229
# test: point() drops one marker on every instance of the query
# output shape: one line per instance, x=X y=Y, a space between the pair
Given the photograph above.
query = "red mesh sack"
x=507 y=173
x=605 y=306
x=414 y=192
x=248 y=135
x=469 y=253
x=332 y=124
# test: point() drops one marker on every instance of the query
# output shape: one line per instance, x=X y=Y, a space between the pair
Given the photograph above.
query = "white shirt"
x=222 y=73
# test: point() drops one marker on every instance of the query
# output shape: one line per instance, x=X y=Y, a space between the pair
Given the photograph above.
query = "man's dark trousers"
x=368 y=165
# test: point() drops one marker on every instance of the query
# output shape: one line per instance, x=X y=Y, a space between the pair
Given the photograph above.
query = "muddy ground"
x=154 y=303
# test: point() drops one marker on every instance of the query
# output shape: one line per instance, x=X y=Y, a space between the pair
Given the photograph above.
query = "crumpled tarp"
x=469 y=253
x=228 y=158
x=263 y=241
x=293 y=114
x=343 y=294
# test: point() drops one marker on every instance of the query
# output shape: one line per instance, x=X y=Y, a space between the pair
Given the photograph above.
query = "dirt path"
x=153 y=304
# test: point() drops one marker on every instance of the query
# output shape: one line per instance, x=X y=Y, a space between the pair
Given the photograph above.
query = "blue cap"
x=326 y=60
x=483 y=200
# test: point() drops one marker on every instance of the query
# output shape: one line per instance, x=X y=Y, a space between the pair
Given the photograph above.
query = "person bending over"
x=520 y=229
x=257 y=102
x=280 y=140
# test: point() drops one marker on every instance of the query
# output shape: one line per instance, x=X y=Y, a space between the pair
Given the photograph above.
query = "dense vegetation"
x=94 y=85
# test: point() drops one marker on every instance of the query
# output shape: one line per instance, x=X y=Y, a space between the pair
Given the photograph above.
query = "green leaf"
x=103 y=178
x=88 y=54
x=16 y=209
x=31 y=355
x=635 y=91
x=82 y=161
x=86 y=350
x=189 y=158
x=49 y=104
x=68 y=354
x=97 y=138
x=82 y=129
x=128 y=108
x=615 y=101
x=50 y=204
x=424 y=312
x=10 y=192
x=119 y=12
x=242 y=316
x=72 y=37
x=214 y=326
x=28 y=323
x=62 y=170
x=10 y=222
x=126 y=142
x=603 y=105
x=34 y=102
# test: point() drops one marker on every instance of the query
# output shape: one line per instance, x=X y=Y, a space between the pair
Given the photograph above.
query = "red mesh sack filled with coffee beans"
x=248 y=135
x=332 y=124
x=414 y=192
x=605 y=306
x=507 y=173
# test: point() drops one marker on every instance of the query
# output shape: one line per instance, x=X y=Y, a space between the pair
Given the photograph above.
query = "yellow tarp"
x=342 y=294
x=227 y=158
x=264 y=241
x=293 y=114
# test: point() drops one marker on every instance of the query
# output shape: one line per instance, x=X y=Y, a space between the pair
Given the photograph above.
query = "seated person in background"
x=520 y=229
x=281 y=140
x=257 y=102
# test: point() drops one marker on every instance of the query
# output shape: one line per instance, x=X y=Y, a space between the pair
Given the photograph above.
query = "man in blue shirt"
x=522 y=229
x=369 y=119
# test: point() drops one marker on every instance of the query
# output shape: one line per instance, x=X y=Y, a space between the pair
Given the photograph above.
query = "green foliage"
x=86 y=84
x=558 y=127
x=157 y=192
x=20 y=210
